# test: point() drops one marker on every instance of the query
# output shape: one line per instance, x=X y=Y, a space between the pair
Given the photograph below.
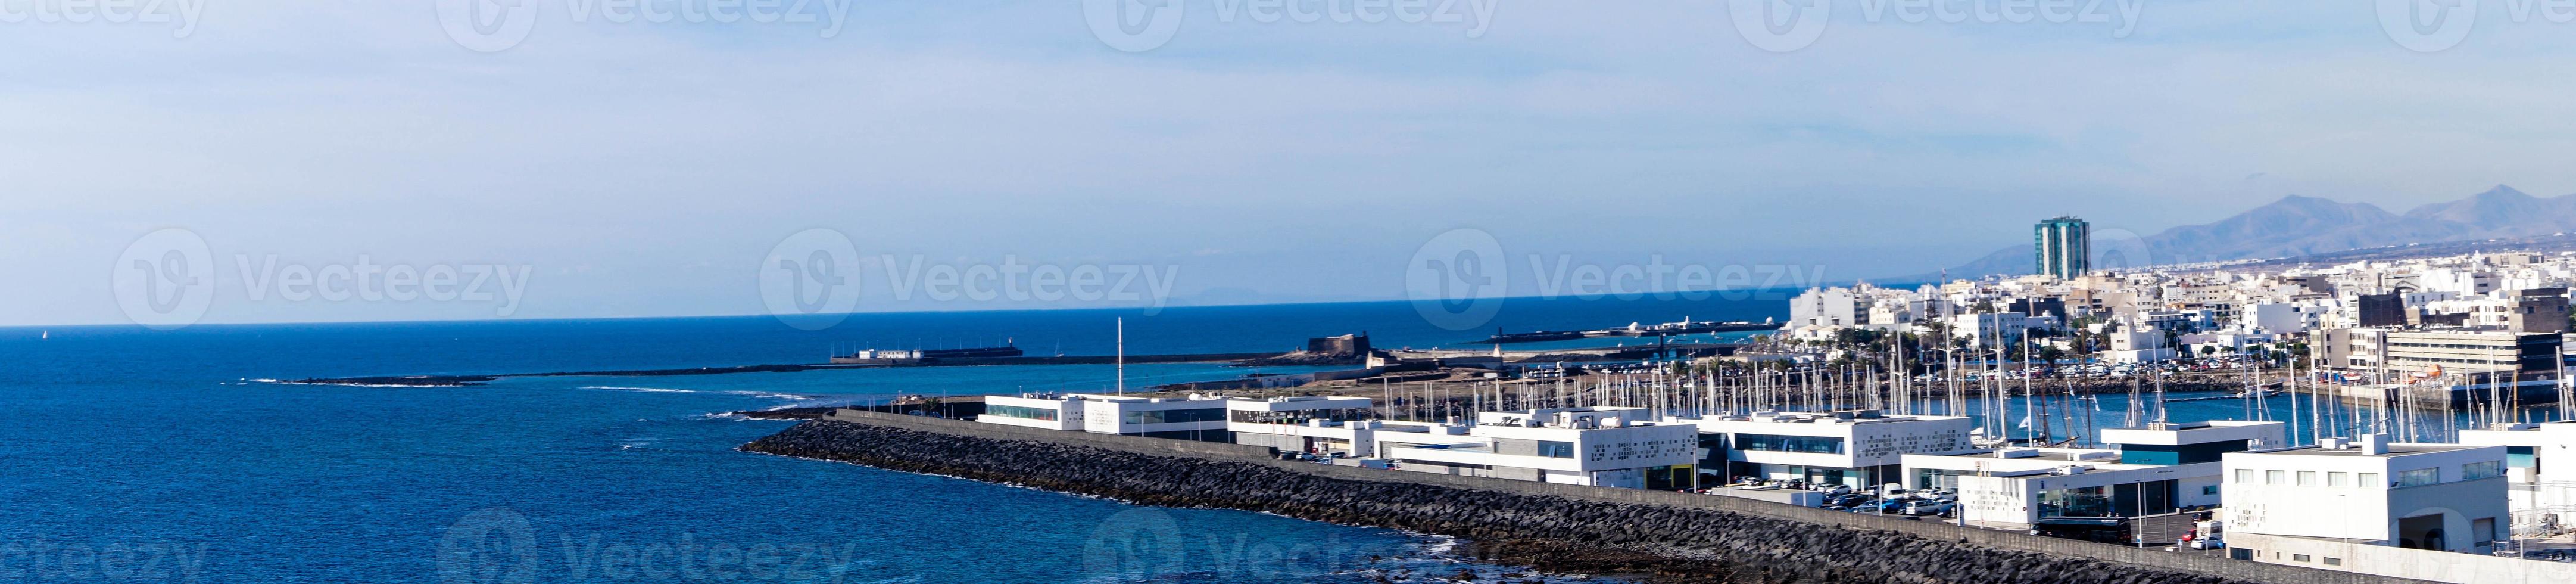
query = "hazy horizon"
x=592 y=168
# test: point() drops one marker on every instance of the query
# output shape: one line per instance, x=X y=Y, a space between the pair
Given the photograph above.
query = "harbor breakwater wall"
x=1666 y=537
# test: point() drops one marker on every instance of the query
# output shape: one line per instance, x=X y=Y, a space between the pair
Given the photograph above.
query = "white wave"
x=645 y=389
x=285 y=382
x=747 y=393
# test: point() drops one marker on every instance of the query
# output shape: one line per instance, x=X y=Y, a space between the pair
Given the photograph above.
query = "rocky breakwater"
x=1656 y=543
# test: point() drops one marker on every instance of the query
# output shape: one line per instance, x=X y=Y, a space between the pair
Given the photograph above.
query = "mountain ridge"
x=2298 y=225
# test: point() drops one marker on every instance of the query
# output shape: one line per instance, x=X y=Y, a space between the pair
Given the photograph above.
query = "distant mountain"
x=2298 y=225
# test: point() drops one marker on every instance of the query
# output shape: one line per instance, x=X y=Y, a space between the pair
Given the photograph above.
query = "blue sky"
x=647 y=169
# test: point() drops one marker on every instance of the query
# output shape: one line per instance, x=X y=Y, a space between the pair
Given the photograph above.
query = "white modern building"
x=1197 y=417
x=1326 y=425
x=1034 y=410
x=2156 y=470
x=2366 y=492
x=1603 y=447
x=2138 y=346
x=1857 y=448
x=2540 y=472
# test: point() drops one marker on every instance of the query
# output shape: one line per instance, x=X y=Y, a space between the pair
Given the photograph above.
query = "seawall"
x=1665 y=537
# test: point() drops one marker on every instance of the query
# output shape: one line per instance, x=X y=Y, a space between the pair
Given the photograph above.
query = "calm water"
x=129 y=455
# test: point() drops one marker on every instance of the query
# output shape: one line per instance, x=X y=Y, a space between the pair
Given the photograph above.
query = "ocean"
x=129 y=455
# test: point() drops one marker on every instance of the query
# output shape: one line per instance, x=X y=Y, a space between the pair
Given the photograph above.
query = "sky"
x=610 y=158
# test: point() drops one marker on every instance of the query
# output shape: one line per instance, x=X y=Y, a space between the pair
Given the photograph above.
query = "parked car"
x=1921 y=507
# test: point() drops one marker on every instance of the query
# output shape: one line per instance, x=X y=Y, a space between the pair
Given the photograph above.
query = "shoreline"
x=1510 y=524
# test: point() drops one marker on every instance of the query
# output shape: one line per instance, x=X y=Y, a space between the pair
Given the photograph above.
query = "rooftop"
x=2394 y=450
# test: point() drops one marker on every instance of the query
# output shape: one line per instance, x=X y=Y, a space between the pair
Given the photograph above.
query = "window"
x=1300 y=417
x=2245 y=476
x=2211 y=490
x=1795 y=444
x=1021 y=412
x=2338 y=479
x=2334 y=561
x=2419 y=477
x=2370 y=480
x=2298 y=557
x=2479 y=470
x=2307 y=478
x=1555 y=449
x=2275 y=477
x=1175 y=416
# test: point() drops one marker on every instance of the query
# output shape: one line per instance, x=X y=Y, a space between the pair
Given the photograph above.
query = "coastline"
x=1558 y=534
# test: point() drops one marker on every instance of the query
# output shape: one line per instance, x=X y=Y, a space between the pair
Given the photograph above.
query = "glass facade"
x=1175 y=416
x=1934 y=478
x=1555 y=449
x=2419 y=477
x=2481 y=470
x=2125 y=500
x=1671 y=478
x=2164 y=455
x=2063 y=247
x=2521 y=457
x=1300 y=417
x=1796 y=444
x=1021 y=412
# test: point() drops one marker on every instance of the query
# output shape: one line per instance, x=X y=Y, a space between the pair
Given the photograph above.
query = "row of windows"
x=1175 y=416
x=2307 y=478
x=1300 y=417
x=1796 y=444
x=2498 y=347
x=2412 y=478
x=1021 y=412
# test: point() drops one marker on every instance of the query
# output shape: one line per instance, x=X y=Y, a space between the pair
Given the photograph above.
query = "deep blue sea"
x=129 y=455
